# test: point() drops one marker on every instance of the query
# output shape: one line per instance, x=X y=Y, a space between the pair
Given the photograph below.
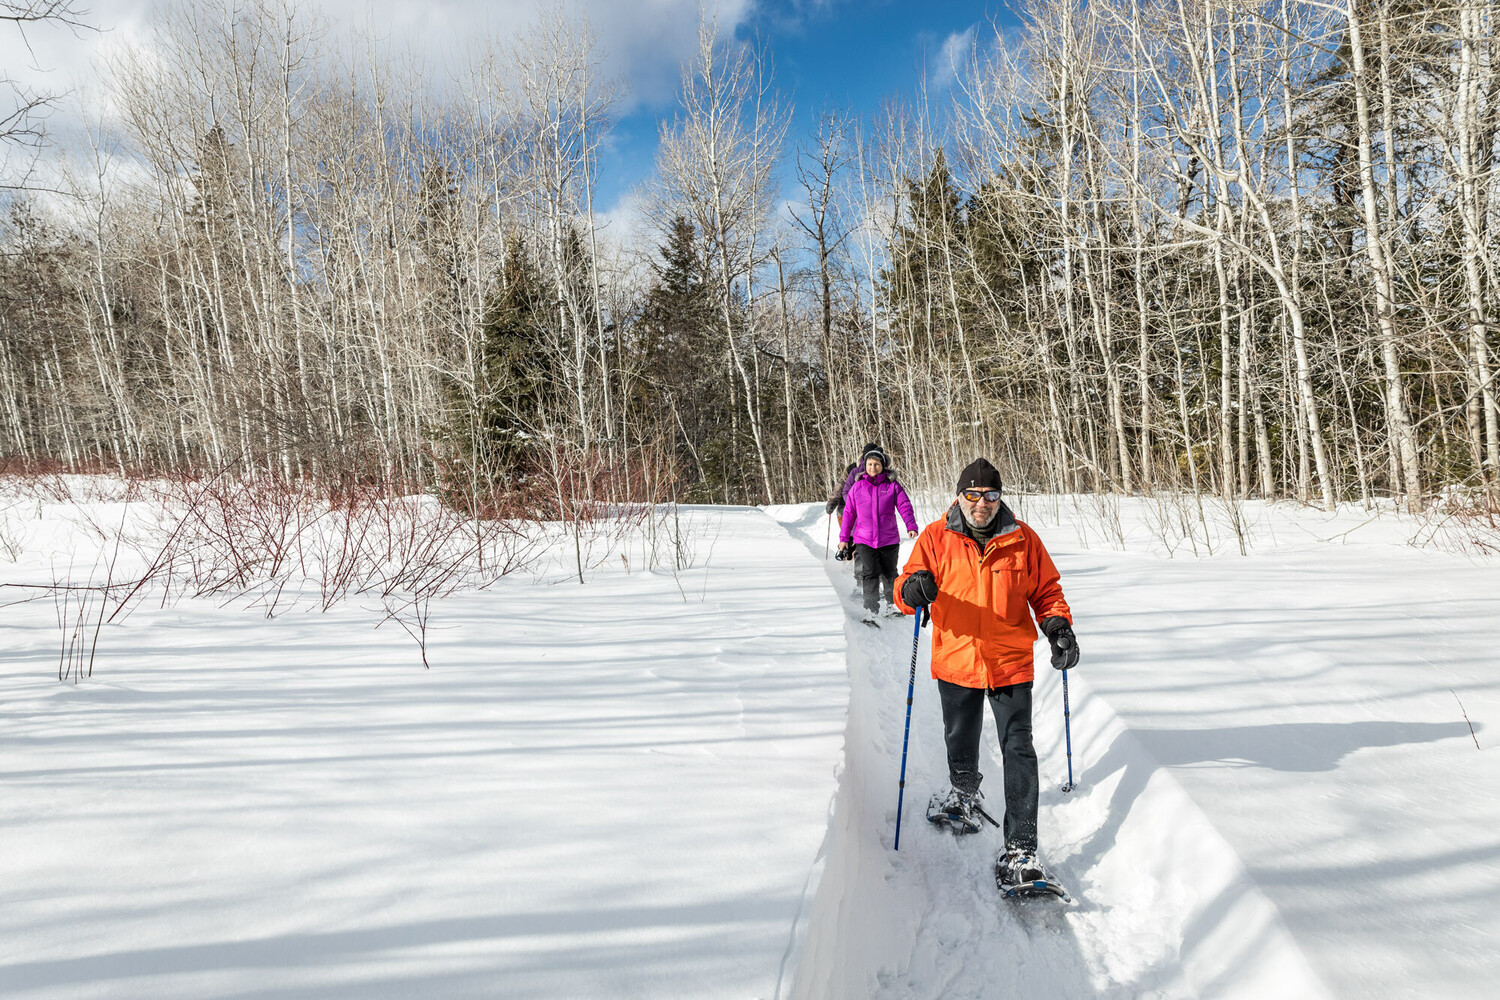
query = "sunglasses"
x=974 y=496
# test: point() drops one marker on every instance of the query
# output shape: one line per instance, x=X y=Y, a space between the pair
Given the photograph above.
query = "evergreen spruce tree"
x=915 y=284
x=516 y=374
x=681 y=343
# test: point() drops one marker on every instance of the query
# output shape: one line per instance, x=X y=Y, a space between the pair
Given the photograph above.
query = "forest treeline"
x=1245 y=248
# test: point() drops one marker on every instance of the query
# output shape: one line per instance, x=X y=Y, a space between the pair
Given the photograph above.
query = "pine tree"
x=923 y=250
x=517 y=377
x=681 y=336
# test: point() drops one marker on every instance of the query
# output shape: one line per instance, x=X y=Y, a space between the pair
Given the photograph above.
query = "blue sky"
x=827 y=54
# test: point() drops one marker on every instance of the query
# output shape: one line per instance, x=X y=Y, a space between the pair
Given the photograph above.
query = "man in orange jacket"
x=984 y=574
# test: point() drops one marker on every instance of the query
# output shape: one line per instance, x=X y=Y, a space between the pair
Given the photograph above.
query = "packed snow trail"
x=1163 y=907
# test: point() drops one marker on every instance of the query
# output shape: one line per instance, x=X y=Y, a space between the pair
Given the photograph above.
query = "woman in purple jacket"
x=870 y=529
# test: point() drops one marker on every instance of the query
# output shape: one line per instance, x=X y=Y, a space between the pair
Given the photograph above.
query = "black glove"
x=846 y=551
x=1060 y=636
x=834 y=505
x=920 y=589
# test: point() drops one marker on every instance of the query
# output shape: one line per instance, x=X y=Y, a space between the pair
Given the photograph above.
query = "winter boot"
x=958 y=811
x=1017 y=867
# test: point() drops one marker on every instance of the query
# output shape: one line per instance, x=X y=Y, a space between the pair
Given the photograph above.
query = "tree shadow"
x=1298 y=747
x=1288 y=746
x=683 y=929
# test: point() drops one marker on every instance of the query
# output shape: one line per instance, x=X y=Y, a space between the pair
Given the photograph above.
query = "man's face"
x=979 y=510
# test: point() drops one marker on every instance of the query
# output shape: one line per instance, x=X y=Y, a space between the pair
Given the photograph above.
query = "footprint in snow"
x=952 y=929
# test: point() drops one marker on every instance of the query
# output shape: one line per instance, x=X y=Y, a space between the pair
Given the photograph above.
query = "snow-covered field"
x=684 y=785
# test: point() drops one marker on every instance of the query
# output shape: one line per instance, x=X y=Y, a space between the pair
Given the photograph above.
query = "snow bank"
x=1166 y=909
x=1315 y=700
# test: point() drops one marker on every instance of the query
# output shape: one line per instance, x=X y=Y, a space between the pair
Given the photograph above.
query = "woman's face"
x=873 y=467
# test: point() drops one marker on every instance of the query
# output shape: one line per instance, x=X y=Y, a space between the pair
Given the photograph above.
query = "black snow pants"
x=963 y=724
x=876 y=571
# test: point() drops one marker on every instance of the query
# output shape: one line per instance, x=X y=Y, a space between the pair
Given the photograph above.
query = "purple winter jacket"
x=870 y=513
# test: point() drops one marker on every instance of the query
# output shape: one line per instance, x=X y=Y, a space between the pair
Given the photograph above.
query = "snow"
x=607 y=790
x=1311 y=700
x=684 y=784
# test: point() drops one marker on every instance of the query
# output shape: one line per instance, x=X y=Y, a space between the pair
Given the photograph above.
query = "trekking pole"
x=918 y=621
x=1068 y=734
x=827 y=536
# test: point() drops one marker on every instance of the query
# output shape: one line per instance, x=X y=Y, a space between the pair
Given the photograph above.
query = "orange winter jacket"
x=982 y=632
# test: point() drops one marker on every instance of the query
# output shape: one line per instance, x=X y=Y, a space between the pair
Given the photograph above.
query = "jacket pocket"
x=1008 y=587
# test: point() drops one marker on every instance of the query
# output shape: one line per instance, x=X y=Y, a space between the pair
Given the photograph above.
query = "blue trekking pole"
x=918 y=620
x=1068 y=734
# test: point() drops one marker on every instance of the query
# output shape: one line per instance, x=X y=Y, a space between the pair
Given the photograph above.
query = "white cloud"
x=642 y=43
x=951 y=58
x=627 y=222
x=645 y=42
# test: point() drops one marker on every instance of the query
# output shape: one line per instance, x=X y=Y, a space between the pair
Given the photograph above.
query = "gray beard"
x=975 y=524
x=983 y=533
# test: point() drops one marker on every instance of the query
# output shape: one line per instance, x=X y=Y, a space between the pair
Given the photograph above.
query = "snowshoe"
x=1019 y=874
x=956 y=810
x=869 y=618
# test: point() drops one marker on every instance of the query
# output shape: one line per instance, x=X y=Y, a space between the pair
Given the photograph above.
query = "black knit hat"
x=979 y=475
x=873 y=451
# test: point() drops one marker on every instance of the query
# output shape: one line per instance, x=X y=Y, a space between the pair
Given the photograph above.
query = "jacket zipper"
x=987 y=598
x=986 y=583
